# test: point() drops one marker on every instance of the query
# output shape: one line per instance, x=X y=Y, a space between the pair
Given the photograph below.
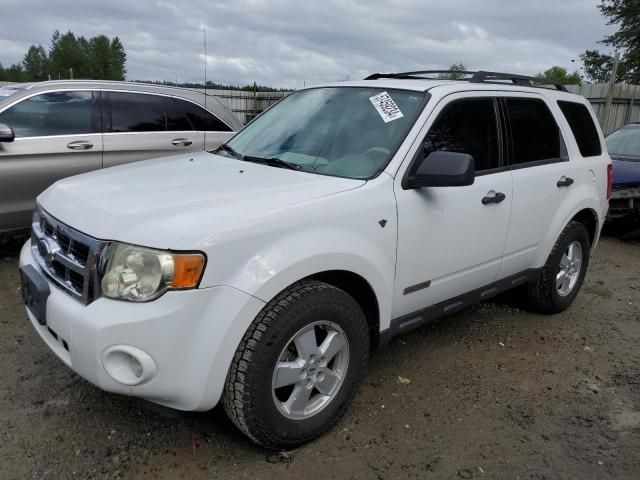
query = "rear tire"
x=562 y=275
x=282 y=389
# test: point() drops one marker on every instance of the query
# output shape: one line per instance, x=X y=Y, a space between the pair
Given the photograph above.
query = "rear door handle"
x=564 y=182
x=181 y=142
x=80 y=145
x=493 y=197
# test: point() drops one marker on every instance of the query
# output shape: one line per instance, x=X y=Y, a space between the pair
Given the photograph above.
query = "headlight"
x=141 y=274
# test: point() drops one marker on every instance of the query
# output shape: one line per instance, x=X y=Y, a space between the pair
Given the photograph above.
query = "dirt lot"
x=494 y=392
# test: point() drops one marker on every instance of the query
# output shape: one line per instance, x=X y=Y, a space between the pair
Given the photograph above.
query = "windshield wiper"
x=229 y=149
x=273 y=161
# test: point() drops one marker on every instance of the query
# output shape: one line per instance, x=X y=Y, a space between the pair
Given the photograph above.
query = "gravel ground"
x=493 y=392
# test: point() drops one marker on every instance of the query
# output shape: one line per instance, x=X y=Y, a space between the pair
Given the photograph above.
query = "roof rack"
x=474 y=77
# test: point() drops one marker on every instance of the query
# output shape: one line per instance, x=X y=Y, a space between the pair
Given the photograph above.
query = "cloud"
x=289 y=43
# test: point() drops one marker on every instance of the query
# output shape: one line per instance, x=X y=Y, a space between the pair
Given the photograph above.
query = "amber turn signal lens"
x=187 y=270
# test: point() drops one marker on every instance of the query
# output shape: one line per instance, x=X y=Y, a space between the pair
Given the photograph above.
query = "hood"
x=158 y=202
x=626 y=172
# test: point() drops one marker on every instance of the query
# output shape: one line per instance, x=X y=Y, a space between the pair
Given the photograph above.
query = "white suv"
x=263 y=274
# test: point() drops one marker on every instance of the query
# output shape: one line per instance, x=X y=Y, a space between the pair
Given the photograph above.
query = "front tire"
x=562 y=275
x=298 y=365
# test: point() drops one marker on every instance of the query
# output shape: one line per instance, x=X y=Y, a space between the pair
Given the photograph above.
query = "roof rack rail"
x=480 y=76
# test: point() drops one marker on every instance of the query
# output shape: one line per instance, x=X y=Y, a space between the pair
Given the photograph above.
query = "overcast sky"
x=286 y=43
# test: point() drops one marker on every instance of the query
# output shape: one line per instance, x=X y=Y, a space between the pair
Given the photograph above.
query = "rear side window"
x=583 y=128
x=535 y=135
x=195 y=116
x=467 y=126
x=135 y=112
x=54 y=113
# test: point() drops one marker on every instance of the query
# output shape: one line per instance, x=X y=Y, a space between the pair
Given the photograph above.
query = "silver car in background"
x=56 y=129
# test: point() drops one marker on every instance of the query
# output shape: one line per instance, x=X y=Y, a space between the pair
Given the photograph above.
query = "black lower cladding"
x=35 y=291
x=414 y=320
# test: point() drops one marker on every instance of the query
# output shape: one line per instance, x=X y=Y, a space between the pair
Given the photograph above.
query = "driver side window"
x=467 y=126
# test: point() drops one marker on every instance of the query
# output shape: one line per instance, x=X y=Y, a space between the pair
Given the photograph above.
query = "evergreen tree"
x=35 y=63
x=15 y=73
x=119 y=60
x=68 y=52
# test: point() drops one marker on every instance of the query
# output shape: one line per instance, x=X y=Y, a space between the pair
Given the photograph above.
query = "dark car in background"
x=624 y=149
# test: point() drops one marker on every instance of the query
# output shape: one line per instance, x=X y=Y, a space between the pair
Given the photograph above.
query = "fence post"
x=612 y=84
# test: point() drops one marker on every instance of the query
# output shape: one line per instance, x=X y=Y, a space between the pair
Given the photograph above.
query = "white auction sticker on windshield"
x=386 y=107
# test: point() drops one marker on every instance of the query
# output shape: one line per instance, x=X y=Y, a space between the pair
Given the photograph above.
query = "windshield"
x=341 y=131
x=624 y=142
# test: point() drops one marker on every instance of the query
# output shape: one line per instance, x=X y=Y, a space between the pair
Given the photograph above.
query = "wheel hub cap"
x=310 y=370
x=569 y=270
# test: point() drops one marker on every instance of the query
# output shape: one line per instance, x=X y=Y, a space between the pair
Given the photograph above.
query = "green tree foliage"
x=36 y=63
x=456 y=70
x=68 y=56
x=626 y=15
x=106 y=58
x=15 y=73
x=97 y=58
x=559 y=75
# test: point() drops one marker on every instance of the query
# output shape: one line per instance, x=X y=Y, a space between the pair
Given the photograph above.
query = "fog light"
x=129 y=365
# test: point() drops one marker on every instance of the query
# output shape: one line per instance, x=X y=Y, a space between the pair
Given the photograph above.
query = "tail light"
x=609 y=180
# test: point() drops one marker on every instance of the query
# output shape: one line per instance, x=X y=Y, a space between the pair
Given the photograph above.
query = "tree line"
x=69 y=56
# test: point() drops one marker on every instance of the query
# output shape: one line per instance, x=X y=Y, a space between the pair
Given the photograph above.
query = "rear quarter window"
x=583 y=128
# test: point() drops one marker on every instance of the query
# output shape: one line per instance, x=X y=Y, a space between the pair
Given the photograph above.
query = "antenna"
x=204 y=31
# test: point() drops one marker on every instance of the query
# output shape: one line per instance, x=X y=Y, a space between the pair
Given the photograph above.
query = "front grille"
x=68 y=257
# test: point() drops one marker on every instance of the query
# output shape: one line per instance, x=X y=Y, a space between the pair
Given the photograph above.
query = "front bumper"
x=191 y=336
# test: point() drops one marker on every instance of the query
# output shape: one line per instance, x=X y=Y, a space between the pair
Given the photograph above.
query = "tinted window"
x=176 y=117
x=583 y=129
x=534 y=132
x=197 y=117
x=467 y=126
x=135 y=112
x=55 y=113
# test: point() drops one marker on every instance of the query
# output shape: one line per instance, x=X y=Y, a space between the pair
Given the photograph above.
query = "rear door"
x=136 y=128
x=57 y=135
x=543 y=178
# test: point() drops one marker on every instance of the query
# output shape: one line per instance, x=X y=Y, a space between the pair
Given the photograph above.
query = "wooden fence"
x=625 y=105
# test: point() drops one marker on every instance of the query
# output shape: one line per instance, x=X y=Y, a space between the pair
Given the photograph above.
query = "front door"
x=57 y=135
x=451 y=239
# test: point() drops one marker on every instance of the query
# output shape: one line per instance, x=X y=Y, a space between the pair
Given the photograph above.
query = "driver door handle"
x=493 y=197
x=181 y=142
x=564 y=182
x=80 y=145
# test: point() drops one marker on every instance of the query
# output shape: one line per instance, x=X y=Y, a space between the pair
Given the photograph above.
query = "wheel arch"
x=589 y=218
x=361 y=291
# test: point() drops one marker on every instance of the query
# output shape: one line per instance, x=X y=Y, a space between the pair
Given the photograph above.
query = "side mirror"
x=6 y=133
x=441 y=169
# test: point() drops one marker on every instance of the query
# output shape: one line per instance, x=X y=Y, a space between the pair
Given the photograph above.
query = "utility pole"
x=71 y=73
x=612 y=83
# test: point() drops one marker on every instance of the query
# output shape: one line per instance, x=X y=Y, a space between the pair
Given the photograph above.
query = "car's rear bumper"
x=190 y=336
x=624 y=202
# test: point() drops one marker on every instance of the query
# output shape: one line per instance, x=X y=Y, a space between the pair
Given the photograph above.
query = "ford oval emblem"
x=47 y=248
